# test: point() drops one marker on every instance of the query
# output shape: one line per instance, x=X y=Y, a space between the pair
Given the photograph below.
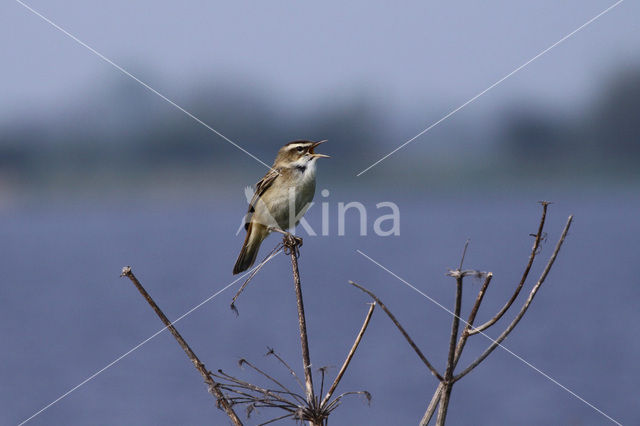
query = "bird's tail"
x=256 y=233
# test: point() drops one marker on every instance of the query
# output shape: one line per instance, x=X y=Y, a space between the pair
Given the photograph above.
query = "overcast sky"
x=411 y=56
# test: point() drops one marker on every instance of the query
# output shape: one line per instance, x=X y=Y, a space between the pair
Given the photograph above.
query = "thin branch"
x=472 y=316
x=345 y=365
x=524 y=308
x=433 y=404
x=244 y=361
x=476 y=305
x=322 y=371
x=337 y=401
x=283 y=362
x=271 y=393
x=464 y=253
x=212 y=384
x=525 y=274
x=402 y=330
x=246 y=385
x=290 y=243
x=273 y=252
x=454 y=330
x=448 y=375
x=469 y=330
x=444 y=404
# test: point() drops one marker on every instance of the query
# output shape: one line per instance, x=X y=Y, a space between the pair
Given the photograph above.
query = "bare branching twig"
x=288 y=367
x=433 y=404
x=299 y=407
x=291 y=246
x=352 y=352
x=272 y=254
x=402 y=330
x=457 y=341
x=206 y=374
x=525 y=274
x=305 y=405
x=448 y=375
x=524 y=308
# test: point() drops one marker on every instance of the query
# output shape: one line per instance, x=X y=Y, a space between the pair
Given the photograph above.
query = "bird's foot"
x=292 y=244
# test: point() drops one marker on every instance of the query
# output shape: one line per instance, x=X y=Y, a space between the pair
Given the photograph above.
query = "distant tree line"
x=126 y=125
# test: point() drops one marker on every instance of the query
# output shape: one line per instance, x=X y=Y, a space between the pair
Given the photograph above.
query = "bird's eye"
x=300 y=149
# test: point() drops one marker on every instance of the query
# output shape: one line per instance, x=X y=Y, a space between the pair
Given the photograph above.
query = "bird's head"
x=298 y=153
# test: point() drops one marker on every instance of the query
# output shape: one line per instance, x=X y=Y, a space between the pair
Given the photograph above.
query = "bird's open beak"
x=313 y=154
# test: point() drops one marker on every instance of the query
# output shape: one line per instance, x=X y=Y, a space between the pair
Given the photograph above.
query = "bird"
x=288 y=187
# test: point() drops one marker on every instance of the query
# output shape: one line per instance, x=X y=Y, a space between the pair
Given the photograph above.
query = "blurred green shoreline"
x=122 y=139
x=184 y=184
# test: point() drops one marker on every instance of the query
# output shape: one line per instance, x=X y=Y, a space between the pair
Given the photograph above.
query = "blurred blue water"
x=64 y=313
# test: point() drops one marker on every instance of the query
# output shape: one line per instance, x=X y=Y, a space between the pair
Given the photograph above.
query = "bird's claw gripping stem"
x=292 y=244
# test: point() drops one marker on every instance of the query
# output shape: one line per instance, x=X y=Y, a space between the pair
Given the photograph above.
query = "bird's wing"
x=262 y=185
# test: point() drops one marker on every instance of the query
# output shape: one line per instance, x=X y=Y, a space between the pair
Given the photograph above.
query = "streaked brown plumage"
x=288 y=187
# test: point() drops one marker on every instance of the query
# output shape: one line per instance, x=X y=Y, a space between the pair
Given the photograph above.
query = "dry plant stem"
x=267 y=393
x=349 y=355
x=476 y=305
x=283 y=387
x=275 y=251
x=287 y=366
x=213 y=386
x=524 y=308
x=445 y=395
x=464 y=253
x=402 y=330
x=448 y=375
x=469 y=330
x=525 y=274
x=454 y=330
x=472 y=317
x=433 y=404
x=306 y=360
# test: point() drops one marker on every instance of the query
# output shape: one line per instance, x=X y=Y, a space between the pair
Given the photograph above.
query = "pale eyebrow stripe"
x=296 y=145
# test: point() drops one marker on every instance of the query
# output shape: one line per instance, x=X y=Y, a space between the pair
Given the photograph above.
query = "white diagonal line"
x=136 y=347
x=145 y=85
x=492 y=86
x=492 y=340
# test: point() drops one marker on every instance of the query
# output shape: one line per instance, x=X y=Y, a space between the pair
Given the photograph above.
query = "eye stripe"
x=299 y=145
